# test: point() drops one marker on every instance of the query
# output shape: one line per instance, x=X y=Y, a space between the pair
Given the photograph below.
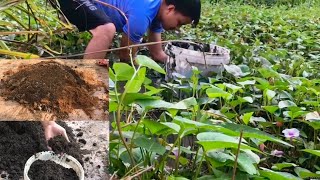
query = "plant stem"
x=236 y=159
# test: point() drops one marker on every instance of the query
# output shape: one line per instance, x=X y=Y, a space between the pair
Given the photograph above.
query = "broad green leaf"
x=246 y=164
x=251 y=132
x=216 y=138
x=305 y=173
x=173 y=126
x=216 y=92
x=279 y=166
x=149 y=63
x=247 y=82
x=312 y=103
x=219 y=156
x=234 y=88
x=136 y=152
x=131 y=97
x=314 y=152
x=134 y=86
x=206 y=177
x=286 y=103
x=152 y=90
x=211 y=145
x=155 y=127
x=150 y=145
x=123 y=71
x=182 y=160
x=254 y=157
x=314 y=124
x=313 y=116
x=270 y=94
x=246 y=117
x=113 y=106
x=172 y=177
x=268 y=72
x=270 y=109
x=234 y=70
x=246 y=99
x=277 y=175
x=184 y=104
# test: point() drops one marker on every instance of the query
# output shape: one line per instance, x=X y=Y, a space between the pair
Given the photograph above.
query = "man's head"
x=175 y=13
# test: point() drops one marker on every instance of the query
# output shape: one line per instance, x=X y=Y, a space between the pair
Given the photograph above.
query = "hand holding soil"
x=52 y=129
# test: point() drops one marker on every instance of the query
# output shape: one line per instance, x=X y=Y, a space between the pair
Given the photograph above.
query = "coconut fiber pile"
x=49 y=86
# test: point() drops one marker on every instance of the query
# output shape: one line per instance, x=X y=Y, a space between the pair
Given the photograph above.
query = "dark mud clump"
x=60 y=145
x=21 y=140
x=48 y=170
x=51 y=87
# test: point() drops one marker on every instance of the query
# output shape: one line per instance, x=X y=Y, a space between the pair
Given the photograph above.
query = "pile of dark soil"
x=59 y=145
x=20 y=140
x=48 y=170
x=49 y=86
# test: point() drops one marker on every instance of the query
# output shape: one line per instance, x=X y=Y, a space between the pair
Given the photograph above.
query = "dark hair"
x=189 y=8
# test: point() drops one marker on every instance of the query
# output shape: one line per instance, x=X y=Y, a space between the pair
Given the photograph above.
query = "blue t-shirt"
x=141 y=16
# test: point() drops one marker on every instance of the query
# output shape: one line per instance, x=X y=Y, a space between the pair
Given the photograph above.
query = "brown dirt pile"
x=49 y=86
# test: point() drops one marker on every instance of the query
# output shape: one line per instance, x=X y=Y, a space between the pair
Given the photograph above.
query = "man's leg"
x=88 y=17
x=102 y=37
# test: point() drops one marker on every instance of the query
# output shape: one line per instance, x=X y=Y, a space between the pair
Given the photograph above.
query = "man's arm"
x=156 y=50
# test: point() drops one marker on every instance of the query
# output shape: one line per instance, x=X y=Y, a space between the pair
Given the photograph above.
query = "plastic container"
x=65 y=160
x=182 y=56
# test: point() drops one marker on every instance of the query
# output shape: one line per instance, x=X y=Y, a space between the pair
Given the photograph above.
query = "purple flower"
x=291 y=133
x=277 y=153
x=175 y=151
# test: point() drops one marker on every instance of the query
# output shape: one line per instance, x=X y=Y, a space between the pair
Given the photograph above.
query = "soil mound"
x=60 y=145
x=49 y=86
x=20 y=140
x=48 y=170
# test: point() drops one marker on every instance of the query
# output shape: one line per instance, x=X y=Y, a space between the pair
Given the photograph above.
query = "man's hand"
x=156 y=50
x=52 y=129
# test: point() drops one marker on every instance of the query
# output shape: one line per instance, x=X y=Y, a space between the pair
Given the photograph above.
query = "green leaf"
x=246 y=164
x=234 y=88
x=305 y=173
x=246 y=117
x=147 y=62
x=286 y=103
x=279 y=166
x=182 y=160
x=219 y=140
x=122 y=71
x=132 y=97
x=134 y=86
x=314 y=152
x=251 y=132
x=184 y=104
x=234 y=70
x=270 y=94
x=277 y=175
x=270 y=109
x=216 y=92
x=210 y=145
x=150 y=145
x=155 y=127
x=172 y=177
x=268 y=72
x=173 y=126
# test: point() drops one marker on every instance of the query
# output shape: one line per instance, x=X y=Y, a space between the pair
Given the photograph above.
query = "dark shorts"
x=84 y=14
